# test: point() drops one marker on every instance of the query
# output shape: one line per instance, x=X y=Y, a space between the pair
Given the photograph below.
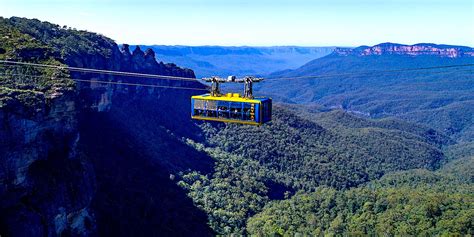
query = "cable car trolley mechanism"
x=232 y=107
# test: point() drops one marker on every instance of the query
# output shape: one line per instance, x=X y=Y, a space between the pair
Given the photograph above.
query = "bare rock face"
x=150 y=54
x=101 y=96
x=125 y=50
x=411 y=50
x=150 y=60
x=44 y=183
x=138 y=59
x=126 y=55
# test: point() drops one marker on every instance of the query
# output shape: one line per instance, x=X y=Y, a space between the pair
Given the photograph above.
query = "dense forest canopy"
x=381 y=86
x=304 y=156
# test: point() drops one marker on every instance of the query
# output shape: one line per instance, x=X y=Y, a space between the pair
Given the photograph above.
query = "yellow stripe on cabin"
x=225 y=120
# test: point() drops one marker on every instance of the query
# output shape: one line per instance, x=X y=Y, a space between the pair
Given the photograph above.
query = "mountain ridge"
x=451 y=51
x=237 y=60
x=441 y=97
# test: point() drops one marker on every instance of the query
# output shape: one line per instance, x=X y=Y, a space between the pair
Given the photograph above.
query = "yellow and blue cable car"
x=232 y=107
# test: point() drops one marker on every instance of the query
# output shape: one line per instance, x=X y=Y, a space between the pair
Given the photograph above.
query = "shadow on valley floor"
x=136 y=194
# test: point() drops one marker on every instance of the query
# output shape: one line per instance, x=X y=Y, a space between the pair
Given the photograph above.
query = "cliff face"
x=104 y=97
x=60 y=177
x=412 y=50
x=45 y=186
x=127 y=135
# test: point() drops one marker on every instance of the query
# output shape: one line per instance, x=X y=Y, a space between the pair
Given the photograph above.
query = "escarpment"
x=58 y=175
x=449 y=51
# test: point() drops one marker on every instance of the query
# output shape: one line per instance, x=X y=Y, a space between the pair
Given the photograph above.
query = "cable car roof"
x=229 y=97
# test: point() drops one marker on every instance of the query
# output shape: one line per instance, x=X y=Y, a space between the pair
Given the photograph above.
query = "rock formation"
x=412 y=50
x=52 y=182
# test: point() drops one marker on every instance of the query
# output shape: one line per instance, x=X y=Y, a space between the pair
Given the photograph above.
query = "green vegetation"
x=461 y=169
x=419 y=201
x=442 y=99
x=28 y=86
x=300 y=154
x=365 y=211
x=66 y=42
x=304 y=154
x=233 y=193
x=415 y=202
x=460 y=150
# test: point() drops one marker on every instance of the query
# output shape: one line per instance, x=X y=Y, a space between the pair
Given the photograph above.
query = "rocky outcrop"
x=54 y=183
x=126 y=55
x=101 y=95
x=45 y=185
x=411 y=50
x=126 y=130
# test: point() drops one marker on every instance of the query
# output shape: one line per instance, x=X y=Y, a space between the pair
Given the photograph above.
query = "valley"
x=222 y=61
x=439 y=98
x=83 y=158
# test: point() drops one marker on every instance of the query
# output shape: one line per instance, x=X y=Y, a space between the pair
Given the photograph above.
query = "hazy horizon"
x=302 y=46
x=305 y=23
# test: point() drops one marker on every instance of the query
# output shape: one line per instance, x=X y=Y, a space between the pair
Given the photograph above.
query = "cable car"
x=232 y=107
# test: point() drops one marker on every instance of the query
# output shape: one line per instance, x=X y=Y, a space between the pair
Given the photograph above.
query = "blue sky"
x=260 y=22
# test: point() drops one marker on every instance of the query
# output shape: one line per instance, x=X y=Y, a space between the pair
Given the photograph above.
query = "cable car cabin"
x=231 y=108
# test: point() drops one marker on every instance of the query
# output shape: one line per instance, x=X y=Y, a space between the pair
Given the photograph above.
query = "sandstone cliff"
x=449 y=51
x=52 y=182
